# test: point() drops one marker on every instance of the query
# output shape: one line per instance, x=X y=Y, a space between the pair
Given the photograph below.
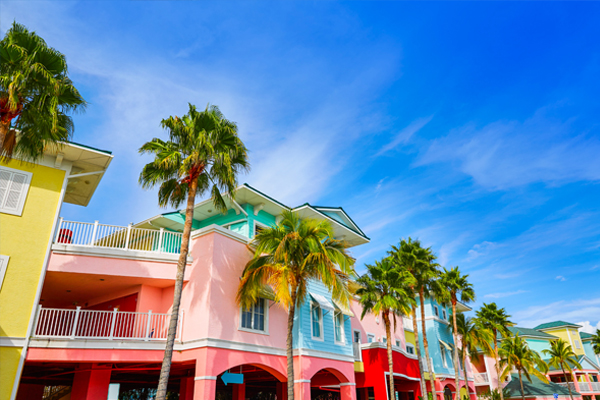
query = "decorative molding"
x=410 y=378
x=348 y=384
x=379 y=345
x=214 y=228
x=7 y=341
x=205 y=378
x=301 y=380
x=104 y=252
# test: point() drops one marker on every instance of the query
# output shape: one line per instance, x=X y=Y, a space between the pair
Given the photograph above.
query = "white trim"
x=7 y=341
x=374 y=336
x=320 y=338
x=301 y=380
x=3 y=267
x=266 y=321
x=205 y=378
x=256 y=223
x=434 y=318
x=323 y=354
x=338 y=210
x=18 y=210
x=359 y=335
x=237 y=221
x=348 y=384
x=342 y=328
x=396 y=374
x=407 y=345
x=61 y=248
x=336 y=222
x=379 y=345
x=219 y=229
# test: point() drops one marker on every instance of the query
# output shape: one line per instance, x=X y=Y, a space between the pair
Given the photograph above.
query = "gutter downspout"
x=32 y=317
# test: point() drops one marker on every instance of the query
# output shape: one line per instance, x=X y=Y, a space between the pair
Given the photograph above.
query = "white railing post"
x=160 y=239
x=112 y=324
x=148 y=325
x=76 y=319
x=58 y=230
x=94 y=233
x=37 y=319
x=128 y=236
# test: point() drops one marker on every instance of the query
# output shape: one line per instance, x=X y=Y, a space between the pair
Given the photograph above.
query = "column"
x=575 y=382
x=91 y=382
x=186 y=388
x=348 y=391
x=281 y=390
x=239 y=391
x=29 y=391
x=302 y=389
x=205 y=387
x=379 y=389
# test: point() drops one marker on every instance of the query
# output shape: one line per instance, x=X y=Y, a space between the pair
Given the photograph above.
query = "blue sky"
x=474 y=127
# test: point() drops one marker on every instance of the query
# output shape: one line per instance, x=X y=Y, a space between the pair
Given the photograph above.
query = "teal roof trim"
x=556 y=324
x=530 y=332
x=266 y=195
x=357 y=231
x=347 y=216
x=535 y=388
x=585 y=335
x=91 y=148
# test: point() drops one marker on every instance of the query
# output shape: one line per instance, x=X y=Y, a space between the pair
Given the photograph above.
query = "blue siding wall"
x=436 y=331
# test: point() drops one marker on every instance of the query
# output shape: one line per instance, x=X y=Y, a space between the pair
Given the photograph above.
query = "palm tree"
x=472 y=339
x=203 y=153
x=496 y=321
x=287 y=257
x=562 y=356
x=420 y=263
x=385 y=290
x=596 y=341
x=36 y=95
x=449 y=288
x=516 y=354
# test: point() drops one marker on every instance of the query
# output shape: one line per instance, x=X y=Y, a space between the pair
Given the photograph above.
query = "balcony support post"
x=94 y=233
x=112 y=324
x=160 y=239
x=75 y=321
x=147 y=337
x=128 y=236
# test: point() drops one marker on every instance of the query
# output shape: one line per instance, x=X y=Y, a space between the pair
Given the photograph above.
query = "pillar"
x=379 y=389
x=239 y=391
x=348 y=391
x=29 y=391
x=91 y=382
x=302 y=389
x=575 y=382
x=281 y=388
x=205 y=387
x=186 y=388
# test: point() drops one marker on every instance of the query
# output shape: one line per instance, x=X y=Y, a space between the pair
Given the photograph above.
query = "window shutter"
x=14 y=185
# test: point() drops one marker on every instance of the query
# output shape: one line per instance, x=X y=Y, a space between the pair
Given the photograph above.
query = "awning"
x=266 y=292
x=322 y=301
x=343 y=309
x=446 y=345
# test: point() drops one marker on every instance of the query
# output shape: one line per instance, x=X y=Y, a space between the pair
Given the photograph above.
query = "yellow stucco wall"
x=569 y=335
x=25 y=239
x=409 y=337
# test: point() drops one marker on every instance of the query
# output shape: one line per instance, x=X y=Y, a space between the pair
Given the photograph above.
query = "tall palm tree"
x=36 y=95
x=451 y=287
x=516 y=354
x=203 y=153
x=562 y=356
x=495 y=320
x=596 y=342
x=420 y=262
x=472 y=339
x=287 y=257
x=385 y=289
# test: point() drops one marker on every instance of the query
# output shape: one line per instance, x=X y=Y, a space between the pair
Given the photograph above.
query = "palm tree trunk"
x=4 y=127
x=464 y=363
x=388 y=334
x=521 y=382
x=418 y=350
x=495 y=339
x=426 y=344
x=567 y=380
x=290 y=346
x=455 y=358
x=163 y=381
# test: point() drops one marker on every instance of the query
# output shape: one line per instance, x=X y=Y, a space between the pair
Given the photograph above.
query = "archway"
x=258 y=382
x=447 y=393
x=325 y=384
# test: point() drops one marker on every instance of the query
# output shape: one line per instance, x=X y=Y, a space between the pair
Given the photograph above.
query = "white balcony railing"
x=117 y=237
x=357 y=351
x=567 y=384
x=595 y=387
x=481 y=378
x=60 y=323
x=584 y=387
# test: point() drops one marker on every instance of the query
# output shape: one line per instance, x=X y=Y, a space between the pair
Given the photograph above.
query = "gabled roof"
x=308 y=211
x=556 y=324
x=528 y=332
x=535 y=388
x=585 y=336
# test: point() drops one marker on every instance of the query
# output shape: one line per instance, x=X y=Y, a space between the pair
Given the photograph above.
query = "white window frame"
x=24 y=193
x=250 y=330
x=384 y=339
x=577 y=344
x=436 y=312
x=255 y=224
x=354 y=332
x=410 y=346
x=443 y=351
x=3 y=268
x=228 y=225
x=336 y=315
x=398 y=343
x=372 y=336
x=312 y=333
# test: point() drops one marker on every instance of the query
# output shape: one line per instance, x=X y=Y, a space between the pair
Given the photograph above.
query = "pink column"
x=29 y=391
x=575 y=382
x=348 y=391
x=205 y=387
x=302 y=390
x=186 y=388
x=239 y=392
x=91 y=382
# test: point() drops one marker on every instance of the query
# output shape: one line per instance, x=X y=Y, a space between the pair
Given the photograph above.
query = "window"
x=444 y=314
x=577 y=344
x=436 y=311
x=316 y=318
x=255 y=317
x=410 y=349
x=338 y=324
x=258 y=227
x=14 y=185
x=3 y=266
x=397 y=343
x=356 y=336
x=384 y=339
x=370 y=338
x=443 y=351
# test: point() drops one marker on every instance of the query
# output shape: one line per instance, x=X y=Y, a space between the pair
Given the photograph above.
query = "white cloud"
x=480 y=249
x=405 y=134
x=500 y=295
x=569 y=311
x=560 y=278
x=586 y=326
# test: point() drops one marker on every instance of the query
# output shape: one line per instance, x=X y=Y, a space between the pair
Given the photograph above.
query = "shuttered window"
x=14 y=185
x=3 y=266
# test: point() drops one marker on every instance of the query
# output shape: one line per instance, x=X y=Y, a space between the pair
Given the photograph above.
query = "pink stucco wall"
x=369 y=325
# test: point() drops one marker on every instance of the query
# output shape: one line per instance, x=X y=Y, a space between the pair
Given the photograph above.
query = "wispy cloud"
x=570 y=311
x=405 y=134
x=503 y=294
x=560 y=278
x=586 y=326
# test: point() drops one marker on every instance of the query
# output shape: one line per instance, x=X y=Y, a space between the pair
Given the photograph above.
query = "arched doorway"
x=326 y=384
x=447 y=393
x=259 y=383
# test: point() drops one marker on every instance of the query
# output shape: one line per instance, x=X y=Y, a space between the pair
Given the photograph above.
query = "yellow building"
x=567 y=332
x=31 y=196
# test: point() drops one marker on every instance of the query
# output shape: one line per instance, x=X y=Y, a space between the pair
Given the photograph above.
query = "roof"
x=530 y=332
x=585 y=335
x=556 y=324
x=535 y=388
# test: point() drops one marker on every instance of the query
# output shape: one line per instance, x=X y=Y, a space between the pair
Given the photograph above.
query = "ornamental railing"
x=76 y=323
x=357 y=351
x=117 y=237
x=482 y=378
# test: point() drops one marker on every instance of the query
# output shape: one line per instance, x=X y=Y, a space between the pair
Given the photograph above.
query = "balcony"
x=482 y=378
x=57 y=323
x=112 y=240
x=586 y=387
x=357 y=351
